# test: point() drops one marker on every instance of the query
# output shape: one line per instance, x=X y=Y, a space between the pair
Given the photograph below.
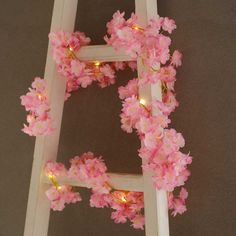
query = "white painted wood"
x=155 y=202
x=38 y=209
x=125 y=182
x=101 y=53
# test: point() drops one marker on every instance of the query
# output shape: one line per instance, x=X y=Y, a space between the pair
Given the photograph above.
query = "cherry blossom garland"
x=160 y=145
x=78 y=73
x=91 y=170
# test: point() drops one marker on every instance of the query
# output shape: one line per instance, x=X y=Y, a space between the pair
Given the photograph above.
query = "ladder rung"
x=127 y=182
x=101 y=53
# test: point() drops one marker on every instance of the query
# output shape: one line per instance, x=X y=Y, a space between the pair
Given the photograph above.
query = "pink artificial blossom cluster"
x=149 y=42
x=91 y=171
x=37 y=104
x=129 y=207
x=58 y=197
x=160 y=145
x=79 y=73
x=177 y=205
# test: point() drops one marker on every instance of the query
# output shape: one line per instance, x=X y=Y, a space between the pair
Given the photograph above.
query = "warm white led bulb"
x=142 y=101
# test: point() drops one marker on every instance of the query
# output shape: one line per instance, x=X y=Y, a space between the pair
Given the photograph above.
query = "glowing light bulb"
x=123 y=199
x=59 y=187
x=142 y=101
x=40 y=97
x=50 y=176
x=71 y=49
x=97 y=63
x=136 y=27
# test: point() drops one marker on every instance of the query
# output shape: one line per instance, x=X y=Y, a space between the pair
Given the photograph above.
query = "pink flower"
x=132 y=65
x=59 y=197
x=178 y=204
x=168 y=25
x=77 y=68
x=172 y=141
x=107 y=77
x=170 y=101
x=176 y=59
x=54 y=168
x=117 y=22
x=154 y=26
x=118 y=217
x=167 y=74
x=129 y=90
x=37 y=104
x=39 y=84
x=138 y=222
x=148 y=77
x=119 y=65
x=91 y=171
x=39 y=127
x=132 y=111
x=153 y=138
x=100 y=200
x=84 y=81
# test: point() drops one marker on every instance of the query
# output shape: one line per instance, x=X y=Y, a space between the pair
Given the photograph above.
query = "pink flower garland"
x=160 y=145
x=79 y=73
x=91 y=171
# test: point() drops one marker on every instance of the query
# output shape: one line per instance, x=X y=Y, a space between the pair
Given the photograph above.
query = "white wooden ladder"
x=46 y=147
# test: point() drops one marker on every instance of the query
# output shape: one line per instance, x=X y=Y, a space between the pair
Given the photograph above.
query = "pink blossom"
x=154 y=26
x=117 y=22
x=168 y=25
x=138 y=222
x=118 y=217
x=167 y=74
x=100 y=200
x=71 y=85
x=129 y=90
x=77 y=68
x=84 y=81
x=119 y=65
x=128 y=206
x=178 y=204
x=170 y=101
x=132 y=65
x=58 y=197
x=39 y=84
x=153 y=138
x=37 y=104
x=148 y=77
x=90 y=170
x=132 y=111
x=172 y=141
x=55 y=169
x=162 y=107
x=176 y=59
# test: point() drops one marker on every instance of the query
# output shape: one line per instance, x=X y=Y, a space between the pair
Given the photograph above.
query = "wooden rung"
x=127 y=182
x=101 y=53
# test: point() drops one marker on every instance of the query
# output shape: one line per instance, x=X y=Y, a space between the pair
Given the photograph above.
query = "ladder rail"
x=155 y=201
x=46 y=147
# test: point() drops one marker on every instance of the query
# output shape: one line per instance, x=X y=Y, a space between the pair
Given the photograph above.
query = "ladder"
x=46 y=147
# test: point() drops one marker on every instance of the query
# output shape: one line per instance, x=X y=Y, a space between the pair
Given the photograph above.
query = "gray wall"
x=205 y=89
